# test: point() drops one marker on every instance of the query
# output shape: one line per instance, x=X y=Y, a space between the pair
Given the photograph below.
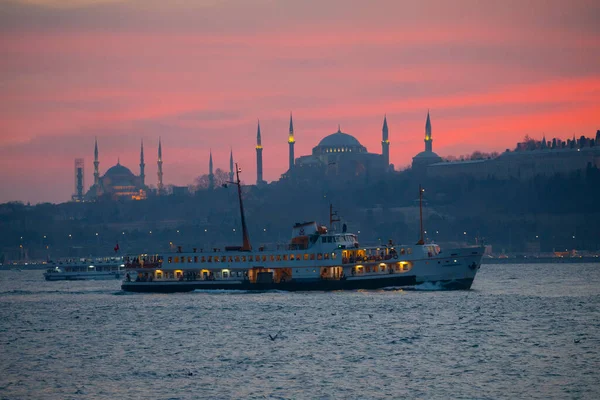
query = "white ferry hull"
x=82 y=276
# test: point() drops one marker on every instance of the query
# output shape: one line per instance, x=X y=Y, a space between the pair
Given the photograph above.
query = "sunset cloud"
x=199 y=74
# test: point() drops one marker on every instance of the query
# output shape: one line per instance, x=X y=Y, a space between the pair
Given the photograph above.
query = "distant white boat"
x=86 y=269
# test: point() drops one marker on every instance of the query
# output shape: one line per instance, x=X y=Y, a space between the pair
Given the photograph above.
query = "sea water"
x=523 y=331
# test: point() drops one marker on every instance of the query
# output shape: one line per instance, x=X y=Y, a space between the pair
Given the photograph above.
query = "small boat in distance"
x=80 y=269
x=315 y=259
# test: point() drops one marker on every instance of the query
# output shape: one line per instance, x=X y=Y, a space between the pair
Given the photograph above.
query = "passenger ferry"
x=315 y=259
x=80 y=269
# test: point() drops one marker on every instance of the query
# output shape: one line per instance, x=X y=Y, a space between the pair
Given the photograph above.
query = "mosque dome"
x=119 y=171
x=428 y=155
x=339 y=139
x=425 y=158
x=339 y=142
x=118 y=175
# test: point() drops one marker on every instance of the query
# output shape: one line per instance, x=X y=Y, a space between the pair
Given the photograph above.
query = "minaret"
x=160 y=171
x=428 y=139
x=291 y=142
x=96 y=163
x=385 y=143
x=543 y=144
x=211 y=176
x=231 y=165
x=259 y=164
x=142 y=165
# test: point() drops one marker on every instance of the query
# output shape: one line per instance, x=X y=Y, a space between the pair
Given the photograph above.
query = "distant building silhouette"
x=118 y=182
x=79 y=180
x=342 y=157
x=530 y=158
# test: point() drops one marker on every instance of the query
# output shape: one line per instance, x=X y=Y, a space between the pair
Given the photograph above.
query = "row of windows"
x=335 y=239
x=257 y=258
x=341 y=150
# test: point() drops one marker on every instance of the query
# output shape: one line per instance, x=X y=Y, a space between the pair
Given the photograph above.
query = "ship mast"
x=421 y=190
x=332 y=214
x=246 y=245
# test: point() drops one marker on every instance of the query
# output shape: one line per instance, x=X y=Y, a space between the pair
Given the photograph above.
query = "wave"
x=235 y=291
x=20 y=292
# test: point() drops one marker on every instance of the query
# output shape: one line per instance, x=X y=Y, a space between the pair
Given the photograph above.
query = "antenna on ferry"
x=421 y=190
x=246 y=245
x=332 y=214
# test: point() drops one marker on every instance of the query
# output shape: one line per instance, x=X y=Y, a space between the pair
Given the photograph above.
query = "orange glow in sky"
x=200 y=74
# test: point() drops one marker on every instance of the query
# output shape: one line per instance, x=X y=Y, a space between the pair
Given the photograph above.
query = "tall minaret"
x=160 y=171
x=259 y=164
x=291 y=142
x=231 y=165
x=211 y=176
x=385 y=143
x=428 y=139
x=142 y=165
x=96 y=163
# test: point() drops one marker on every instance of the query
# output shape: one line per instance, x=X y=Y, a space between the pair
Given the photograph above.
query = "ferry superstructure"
x=315 y=259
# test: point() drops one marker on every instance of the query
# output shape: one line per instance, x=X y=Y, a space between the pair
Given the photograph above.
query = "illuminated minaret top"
x=96 y=163
x=259 y=164
x=428 y=139
x=291 y=142
x=385 y=143
x=211 y=176
x=142 y=165
x=160 y=171
x=231 y=165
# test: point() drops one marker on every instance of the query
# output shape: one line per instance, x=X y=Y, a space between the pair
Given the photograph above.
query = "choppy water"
x=524 y=331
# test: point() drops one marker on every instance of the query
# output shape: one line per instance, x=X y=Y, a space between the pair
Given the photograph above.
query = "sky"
x=200 y=74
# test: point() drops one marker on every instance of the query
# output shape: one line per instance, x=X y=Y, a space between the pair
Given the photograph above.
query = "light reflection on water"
x=523 y=331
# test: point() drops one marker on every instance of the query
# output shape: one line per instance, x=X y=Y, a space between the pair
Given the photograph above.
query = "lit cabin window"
x=333 y=256
x=319 y=256
x=326 y=256
x=230 y=258
x=409 y=250
x=306 y=256
x=237 y=258
x=298 y=257
x=278 y=257
x=250 y=258
x=203 y=259
x=312 y=256
x=170 y=260
x=224 y=259
x=291 y=257
x=209 y=258
x=243 y=258
x=272 y=258
x=190 y=259
x=285 y=257
x=264 y=258
x=402 y=251
x=176 y=259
